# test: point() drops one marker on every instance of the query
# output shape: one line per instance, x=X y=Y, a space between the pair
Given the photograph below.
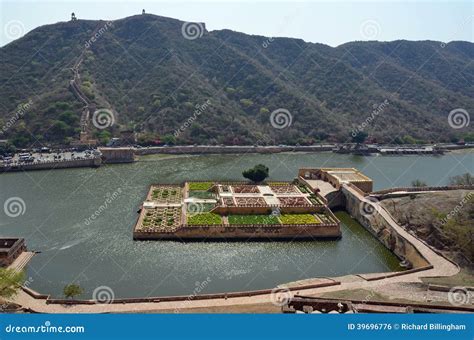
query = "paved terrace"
x=441 y=267
x=324 y=187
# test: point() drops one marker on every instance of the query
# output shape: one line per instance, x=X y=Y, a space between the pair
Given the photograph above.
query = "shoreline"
x=193 y=151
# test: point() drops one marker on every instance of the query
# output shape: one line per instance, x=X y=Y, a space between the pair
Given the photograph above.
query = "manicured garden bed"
x=304 y=189
x=253 y=219
x=245 y=189
x=228 y=202
x=204 y=218
x=250 y=201
x=200 y=185
x=166 y=194
x=298 y=219
x=315 y=200
x=160 y=219
x=201 y=194
x=284 y=189
x=293 y=201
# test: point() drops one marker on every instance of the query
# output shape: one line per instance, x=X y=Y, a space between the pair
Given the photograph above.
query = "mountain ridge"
x=153 y=78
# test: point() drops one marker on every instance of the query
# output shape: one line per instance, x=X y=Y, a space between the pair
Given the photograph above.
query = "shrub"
x=72 y=290
x=253 y=219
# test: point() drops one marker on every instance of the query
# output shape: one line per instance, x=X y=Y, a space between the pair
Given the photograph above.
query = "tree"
x=10 y=281
x=256 y=174
x=169 y=139
x=464 y=179
x=72 y=290
x=104 y=136
x=418 y=183
x=360 y=137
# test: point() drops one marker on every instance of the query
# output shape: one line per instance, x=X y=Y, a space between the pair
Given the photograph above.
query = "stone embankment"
x=245 y=233
x=57 y=164
x=210 y=149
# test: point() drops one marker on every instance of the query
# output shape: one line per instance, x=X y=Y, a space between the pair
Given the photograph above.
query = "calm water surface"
x=103 y=253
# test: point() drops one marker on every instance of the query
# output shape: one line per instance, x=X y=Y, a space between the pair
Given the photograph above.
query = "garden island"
x=236 y=211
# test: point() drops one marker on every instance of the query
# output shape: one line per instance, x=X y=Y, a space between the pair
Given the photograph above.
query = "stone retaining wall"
x=249 y=293
x=245 y=232
x=378 y=226
x=416 y=189
x=206 y=149
x=61 y=164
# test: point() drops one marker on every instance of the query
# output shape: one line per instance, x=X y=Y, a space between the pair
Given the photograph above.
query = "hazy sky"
x=329 y=22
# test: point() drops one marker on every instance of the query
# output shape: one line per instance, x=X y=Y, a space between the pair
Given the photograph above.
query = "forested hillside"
x=222 y=87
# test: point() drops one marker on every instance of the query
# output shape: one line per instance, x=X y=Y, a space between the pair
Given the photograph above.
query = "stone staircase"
x=21 y=261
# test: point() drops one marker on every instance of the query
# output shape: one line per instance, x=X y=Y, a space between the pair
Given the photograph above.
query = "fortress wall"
x=378 y=226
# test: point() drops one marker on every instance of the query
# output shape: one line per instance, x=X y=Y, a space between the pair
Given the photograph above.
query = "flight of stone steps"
x=21 y=261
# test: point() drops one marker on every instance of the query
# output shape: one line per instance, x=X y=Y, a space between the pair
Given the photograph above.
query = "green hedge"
x=200 y=185
x=253 y=219
x=204 y=218
x=298 y=219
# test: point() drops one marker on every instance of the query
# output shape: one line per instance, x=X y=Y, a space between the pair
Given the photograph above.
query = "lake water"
x=102 y=253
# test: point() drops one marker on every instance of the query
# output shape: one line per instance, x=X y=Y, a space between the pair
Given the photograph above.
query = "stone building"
x=338 y=176
x=10 y=249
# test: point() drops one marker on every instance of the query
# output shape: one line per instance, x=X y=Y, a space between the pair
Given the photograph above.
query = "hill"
x=442 y=219
x=221 y=87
